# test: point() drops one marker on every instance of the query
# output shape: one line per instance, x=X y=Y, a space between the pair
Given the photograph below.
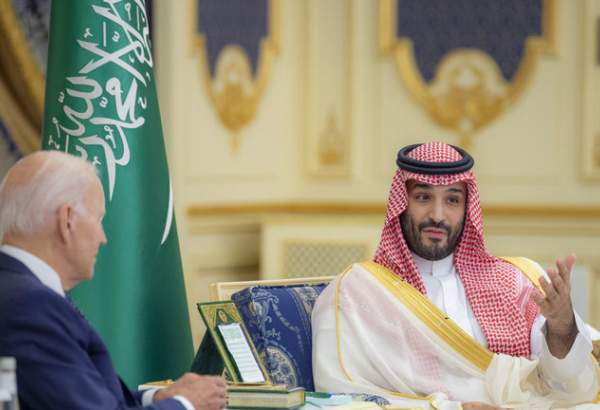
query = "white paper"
x=240 y=350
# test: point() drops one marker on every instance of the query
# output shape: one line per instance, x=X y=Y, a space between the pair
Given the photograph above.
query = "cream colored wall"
x=538 y=154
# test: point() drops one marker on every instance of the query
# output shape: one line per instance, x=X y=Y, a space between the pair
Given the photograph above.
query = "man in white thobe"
x=435 y=321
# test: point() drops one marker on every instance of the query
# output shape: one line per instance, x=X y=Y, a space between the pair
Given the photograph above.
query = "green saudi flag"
x=101 y=105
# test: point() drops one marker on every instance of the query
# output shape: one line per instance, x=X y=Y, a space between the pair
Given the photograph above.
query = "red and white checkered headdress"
x=498 y=295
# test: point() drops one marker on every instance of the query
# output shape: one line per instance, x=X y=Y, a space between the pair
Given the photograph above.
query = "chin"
x=87 y=275
x=434 y=245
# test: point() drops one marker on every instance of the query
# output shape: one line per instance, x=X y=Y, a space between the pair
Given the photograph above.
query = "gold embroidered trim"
x=427 y=312
x=433 y=317
x=337 y=322
x=339 y=346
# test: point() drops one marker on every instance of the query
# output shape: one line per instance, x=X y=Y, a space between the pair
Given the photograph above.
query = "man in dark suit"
x=51 y=209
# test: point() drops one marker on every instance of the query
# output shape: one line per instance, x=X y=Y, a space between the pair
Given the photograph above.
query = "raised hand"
x=557 y=308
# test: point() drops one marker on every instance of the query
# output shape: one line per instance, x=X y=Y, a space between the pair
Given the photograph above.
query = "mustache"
x=436 y=225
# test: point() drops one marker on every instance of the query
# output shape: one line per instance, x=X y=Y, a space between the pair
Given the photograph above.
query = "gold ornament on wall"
x=332 y=150
x=467 y=93
x=234 y=90
x=22 y=75
x=468 y=90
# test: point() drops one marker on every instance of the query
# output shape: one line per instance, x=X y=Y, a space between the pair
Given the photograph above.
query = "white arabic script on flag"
x=100 y=108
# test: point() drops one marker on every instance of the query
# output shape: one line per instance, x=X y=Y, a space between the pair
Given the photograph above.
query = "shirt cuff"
x=185 y=402
x=148 y=399
x=148 y=396
x=574 y=363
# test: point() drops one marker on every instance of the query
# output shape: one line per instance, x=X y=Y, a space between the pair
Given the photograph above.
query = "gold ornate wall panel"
x=467 y=88
x=590 y=91
x=211 y=157
x=236 y=71
x=330 y=91
x=23 y=44
x=19 y=65
x=329 y=88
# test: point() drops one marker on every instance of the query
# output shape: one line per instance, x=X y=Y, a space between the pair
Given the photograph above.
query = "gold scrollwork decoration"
x=332 y=144
x=468 y=91
x=233 y=91
x=21 y=83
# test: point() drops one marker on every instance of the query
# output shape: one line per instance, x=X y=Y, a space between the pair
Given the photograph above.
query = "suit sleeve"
x=54 y=368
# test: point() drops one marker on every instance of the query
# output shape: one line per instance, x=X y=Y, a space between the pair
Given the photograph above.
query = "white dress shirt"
x=446 y=291
x=38 y=267
x=50 y=278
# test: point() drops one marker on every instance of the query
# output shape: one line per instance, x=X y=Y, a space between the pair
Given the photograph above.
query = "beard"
x=438 y=249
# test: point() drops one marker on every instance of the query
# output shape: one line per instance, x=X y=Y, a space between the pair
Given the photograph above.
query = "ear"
x=65 y=223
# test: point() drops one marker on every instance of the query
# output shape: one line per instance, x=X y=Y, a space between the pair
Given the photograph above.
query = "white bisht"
x=374 y=333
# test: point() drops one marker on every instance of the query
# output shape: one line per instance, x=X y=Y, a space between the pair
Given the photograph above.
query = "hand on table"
x=204 y=392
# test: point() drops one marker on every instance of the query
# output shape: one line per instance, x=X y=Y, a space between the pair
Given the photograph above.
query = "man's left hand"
x=557 y=308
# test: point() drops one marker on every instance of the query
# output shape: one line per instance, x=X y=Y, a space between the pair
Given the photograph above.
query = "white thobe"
x=446 y=291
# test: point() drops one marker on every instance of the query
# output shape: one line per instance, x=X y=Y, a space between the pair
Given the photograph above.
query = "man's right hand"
x=479 y=406
x=204 y=392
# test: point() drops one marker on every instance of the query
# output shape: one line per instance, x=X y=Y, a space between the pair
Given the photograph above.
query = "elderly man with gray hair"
x=51 y=210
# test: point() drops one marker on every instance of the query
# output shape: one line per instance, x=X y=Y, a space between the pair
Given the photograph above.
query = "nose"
x=103 y=239
x=437 y=212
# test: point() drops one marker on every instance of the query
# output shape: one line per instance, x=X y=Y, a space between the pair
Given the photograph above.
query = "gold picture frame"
x=217 y=313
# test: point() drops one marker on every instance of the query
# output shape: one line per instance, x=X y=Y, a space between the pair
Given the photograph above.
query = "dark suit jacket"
x=62 y=363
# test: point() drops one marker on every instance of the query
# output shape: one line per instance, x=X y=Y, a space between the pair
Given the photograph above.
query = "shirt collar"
x=38 y=267
x=441 y=267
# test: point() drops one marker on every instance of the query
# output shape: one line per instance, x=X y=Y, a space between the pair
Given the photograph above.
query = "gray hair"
x=56 y=179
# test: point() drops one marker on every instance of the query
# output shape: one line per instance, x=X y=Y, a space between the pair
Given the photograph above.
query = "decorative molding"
x=234 y=92
x=344 y=208
x=468 y=91
x=286 y=207
x=332 y=145
x=329 y=88
x=590 y=90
